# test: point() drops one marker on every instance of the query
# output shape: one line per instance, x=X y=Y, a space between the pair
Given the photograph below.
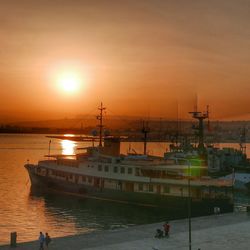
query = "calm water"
x=28 y=213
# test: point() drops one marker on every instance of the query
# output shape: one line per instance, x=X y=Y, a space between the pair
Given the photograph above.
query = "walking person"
x=47 y=240
x=166 y=228
x=41 y=241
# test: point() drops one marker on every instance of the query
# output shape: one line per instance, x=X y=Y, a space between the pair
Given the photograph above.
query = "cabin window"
x=137 y=171
x=89 y=179
x=83 y=178
x=122 y=170
x=99 y=167
x=130 y=170
x=151 y=188
x=106 y=168
x=115 y=169
x=140 y=187
x=166 y=189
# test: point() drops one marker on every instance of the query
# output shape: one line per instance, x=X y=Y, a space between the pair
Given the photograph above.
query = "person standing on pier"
x=41 y=241
x=166 y=228
x=47 y=240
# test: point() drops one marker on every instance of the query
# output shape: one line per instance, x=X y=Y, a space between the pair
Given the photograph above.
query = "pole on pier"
x=13 y=236
x=189 y=209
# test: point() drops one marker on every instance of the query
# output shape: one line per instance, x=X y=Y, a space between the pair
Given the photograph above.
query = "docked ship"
x=102 y=172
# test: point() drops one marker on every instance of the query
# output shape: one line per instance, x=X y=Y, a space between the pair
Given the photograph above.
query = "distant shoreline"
x=132 y=139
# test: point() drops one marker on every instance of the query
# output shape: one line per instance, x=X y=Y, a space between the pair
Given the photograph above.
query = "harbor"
x=178 y=178
x=64 y=215
x=227 y=231
x=122 y=119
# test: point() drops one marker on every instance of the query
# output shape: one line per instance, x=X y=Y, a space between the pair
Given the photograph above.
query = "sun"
x=69 y=82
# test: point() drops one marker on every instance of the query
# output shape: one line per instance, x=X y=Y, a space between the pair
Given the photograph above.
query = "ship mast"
x=145 y=130
x=243 y=141
x=200 y=116
x=100 y=118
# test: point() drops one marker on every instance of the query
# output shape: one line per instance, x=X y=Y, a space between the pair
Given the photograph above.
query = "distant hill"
x=131 y=126
x=115 y=122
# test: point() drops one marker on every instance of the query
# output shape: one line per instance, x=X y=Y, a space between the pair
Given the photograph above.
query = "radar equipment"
x=200 y=116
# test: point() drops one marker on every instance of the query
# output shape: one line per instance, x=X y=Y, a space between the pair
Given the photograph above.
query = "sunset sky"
x=139 y=57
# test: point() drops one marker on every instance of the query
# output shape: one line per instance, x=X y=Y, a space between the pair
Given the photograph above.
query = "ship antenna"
x=208 y=120
x=178 y=125
x=101 y=126
x=179 y=130
x=196 y=103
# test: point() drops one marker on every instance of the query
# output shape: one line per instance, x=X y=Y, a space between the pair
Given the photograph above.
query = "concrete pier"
x=227 y=231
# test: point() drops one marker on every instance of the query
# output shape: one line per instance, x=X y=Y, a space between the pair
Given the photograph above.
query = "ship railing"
x=212 y=182
x=194 y=182
x=64 y=162
x=47 y=162
x=68 y=162
x=102 y=160
x=139 y=162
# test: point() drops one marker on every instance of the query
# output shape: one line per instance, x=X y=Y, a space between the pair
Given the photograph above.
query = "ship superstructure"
x=217 y=159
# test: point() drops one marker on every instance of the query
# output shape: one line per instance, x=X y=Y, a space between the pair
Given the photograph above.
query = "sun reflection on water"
x=68 y=147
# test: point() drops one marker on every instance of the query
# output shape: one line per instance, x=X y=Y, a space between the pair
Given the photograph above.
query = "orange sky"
x=139 y=57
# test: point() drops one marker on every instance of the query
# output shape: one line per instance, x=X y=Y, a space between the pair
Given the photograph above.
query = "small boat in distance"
x=167 y=182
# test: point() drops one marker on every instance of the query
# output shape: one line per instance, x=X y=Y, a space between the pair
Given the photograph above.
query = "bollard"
x=13 y=236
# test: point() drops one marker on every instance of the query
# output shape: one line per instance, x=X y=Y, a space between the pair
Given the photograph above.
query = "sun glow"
x=69 y=82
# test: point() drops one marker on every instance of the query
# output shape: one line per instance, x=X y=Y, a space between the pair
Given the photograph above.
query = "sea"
x=27 y=212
